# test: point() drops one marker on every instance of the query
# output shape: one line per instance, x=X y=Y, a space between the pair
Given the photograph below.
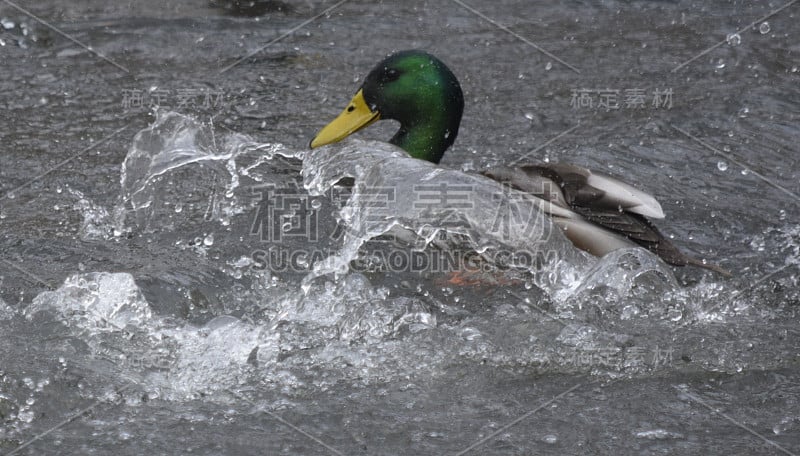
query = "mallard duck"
x=597 y=213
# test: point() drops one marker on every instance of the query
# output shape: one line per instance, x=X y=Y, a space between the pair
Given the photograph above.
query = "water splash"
x=97 y=222
x=6 y=312
x=96 y=302
x=396 y=193
x=422 y=204
x=174 y=360
x=174 y=141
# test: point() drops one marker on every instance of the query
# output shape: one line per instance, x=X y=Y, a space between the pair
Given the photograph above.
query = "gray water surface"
x=137 y=319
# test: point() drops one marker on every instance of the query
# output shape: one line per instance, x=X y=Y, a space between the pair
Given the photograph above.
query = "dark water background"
x=161 y=324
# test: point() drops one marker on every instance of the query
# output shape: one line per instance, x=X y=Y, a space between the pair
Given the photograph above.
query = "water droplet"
x=548 y=66
x=470 y=334
x=782 y=214
x=733 y=39
x=286 y=227
x=722 y=166
x=745 y=171
x=529 y=115
x=178 y=207
x=764 y=28
x=209 y=240
x=7 y=24
x=743 y=112
x=316 y=204
x=550 y=438
x=59 y=190
x=25 y=416
x=720 y=64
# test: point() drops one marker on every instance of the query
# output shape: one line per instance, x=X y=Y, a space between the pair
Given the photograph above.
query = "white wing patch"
x=590 y=237
x=631 y=199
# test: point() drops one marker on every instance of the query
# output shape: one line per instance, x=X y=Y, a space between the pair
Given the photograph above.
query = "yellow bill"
x=355 y=116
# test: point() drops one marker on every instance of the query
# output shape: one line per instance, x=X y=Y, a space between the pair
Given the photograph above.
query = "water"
x=208 y=285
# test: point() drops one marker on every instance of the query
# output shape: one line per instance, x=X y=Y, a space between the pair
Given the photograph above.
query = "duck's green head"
x=413 y=88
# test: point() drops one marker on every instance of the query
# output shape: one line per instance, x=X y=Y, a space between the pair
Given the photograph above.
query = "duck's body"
x=597 y=213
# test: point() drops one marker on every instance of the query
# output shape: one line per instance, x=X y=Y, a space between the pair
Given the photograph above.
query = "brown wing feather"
x=636 y=228
x=572 y=180
x=572 y=189
x=588 y=202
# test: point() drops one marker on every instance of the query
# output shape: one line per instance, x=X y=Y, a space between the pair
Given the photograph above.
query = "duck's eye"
x=389 y=75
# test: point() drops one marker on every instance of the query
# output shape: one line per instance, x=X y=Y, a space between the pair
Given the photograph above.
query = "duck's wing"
x=585 y=188
x=612 y=204
x=573 y=187
x=611 y=213
x=587 y=208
